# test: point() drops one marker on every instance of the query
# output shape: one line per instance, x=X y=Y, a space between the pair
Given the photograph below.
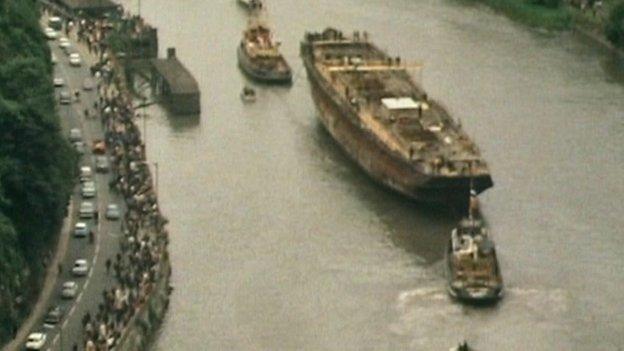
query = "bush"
x=614 y=28
x=547 y=3
x=534 y=13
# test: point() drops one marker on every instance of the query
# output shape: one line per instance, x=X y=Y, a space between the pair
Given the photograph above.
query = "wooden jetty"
x=174 y=85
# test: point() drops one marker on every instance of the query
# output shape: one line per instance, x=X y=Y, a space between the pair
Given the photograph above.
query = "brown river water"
x=279 y=242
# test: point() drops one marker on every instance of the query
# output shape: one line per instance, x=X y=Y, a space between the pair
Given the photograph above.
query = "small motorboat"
x=248 y=94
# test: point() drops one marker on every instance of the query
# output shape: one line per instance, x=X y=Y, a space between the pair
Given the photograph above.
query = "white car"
x=87 y=189
x=50 y=33
x=81 y=230
x=53 y=58
x=112 y=212
x=86 y=210
x=81 y=267
x=69 y=290
x=58 y=82
x=35 y=341
x=75 y=135
x=64 y=43
x=74 y=59
x=86 y=174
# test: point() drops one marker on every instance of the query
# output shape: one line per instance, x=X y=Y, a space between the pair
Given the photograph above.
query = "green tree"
x=614 y=28
x=37 y=164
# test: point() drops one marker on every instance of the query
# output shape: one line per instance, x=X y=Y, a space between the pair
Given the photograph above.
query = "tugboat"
x=370 y=104
x=463 y=346
x=473 y=272
x=250 y=4
x=259 y=56
x=248 y=94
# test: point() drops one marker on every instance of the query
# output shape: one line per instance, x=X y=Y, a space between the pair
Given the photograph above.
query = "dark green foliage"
x=547 y=3
x=614 y=27
x=538 y=13
x=36 y=162
x=11 y=277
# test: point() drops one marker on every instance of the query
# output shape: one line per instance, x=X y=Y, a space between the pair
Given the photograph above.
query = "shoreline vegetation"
x=602 y=18
x=37 y=163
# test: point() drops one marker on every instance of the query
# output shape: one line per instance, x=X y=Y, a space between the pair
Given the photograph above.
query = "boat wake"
x=429 y=317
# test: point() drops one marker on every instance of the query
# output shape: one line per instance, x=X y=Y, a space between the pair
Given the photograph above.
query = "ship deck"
x=387 y=101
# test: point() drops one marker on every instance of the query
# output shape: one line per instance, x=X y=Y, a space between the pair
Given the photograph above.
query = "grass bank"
x=603 y=22
x=531 y=14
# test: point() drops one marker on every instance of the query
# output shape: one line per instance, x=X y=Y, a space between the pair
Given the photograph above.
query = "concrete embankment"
x=142 y=328
x=147 y=317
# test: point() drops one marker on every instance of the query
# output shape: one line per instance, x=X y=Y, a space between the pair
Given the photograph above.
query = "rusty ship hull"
x=379 y=162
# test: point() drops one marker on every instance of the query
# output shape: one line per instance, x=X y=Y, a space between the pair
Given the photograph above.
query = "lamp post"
x=156 y=177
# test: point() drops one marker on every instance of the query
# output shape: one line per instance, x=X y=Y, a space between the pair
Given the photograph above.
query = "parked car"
x=87 y=84
x=75 y=134
x=50 y=33
x=53 y=58
x=64 y=43
x=81 y=230
x=79 y=146
x=81 y=267
x=86 y=174
x=67 y=50
x=75 y=60
x=86 y=210
x=58 y=82
x=54 y=315
x=69 y=290
x=99 y=147
x=87 y=189
x=55 y=22
x=65 y=97
x=113 y=212
x=101 y=164
x=35 y=341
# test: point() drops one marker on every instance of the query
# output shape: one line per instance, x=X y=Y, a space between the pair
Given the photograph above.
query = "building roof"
x=88 y=4
x=401 y=103
x=178 y=78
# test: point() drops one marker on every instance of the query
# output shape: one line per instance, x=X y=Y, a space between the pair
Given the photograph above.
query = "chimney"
x=171 y=53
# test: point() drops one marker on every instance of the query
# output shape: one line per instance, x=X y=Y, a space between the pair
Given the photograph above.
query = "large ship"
x=259 y=56
x=371 y=105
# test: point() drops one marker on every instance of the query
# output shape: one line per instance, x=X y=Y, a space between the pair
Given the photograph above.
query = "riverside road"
x=279 y=242
x=106 y=244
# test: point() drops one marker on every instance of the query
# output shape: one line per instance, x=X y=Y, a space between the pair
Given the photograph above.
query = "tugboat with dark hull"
x=250 y=4
x=372 y=107
x=259 y=56
x=472 y=266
